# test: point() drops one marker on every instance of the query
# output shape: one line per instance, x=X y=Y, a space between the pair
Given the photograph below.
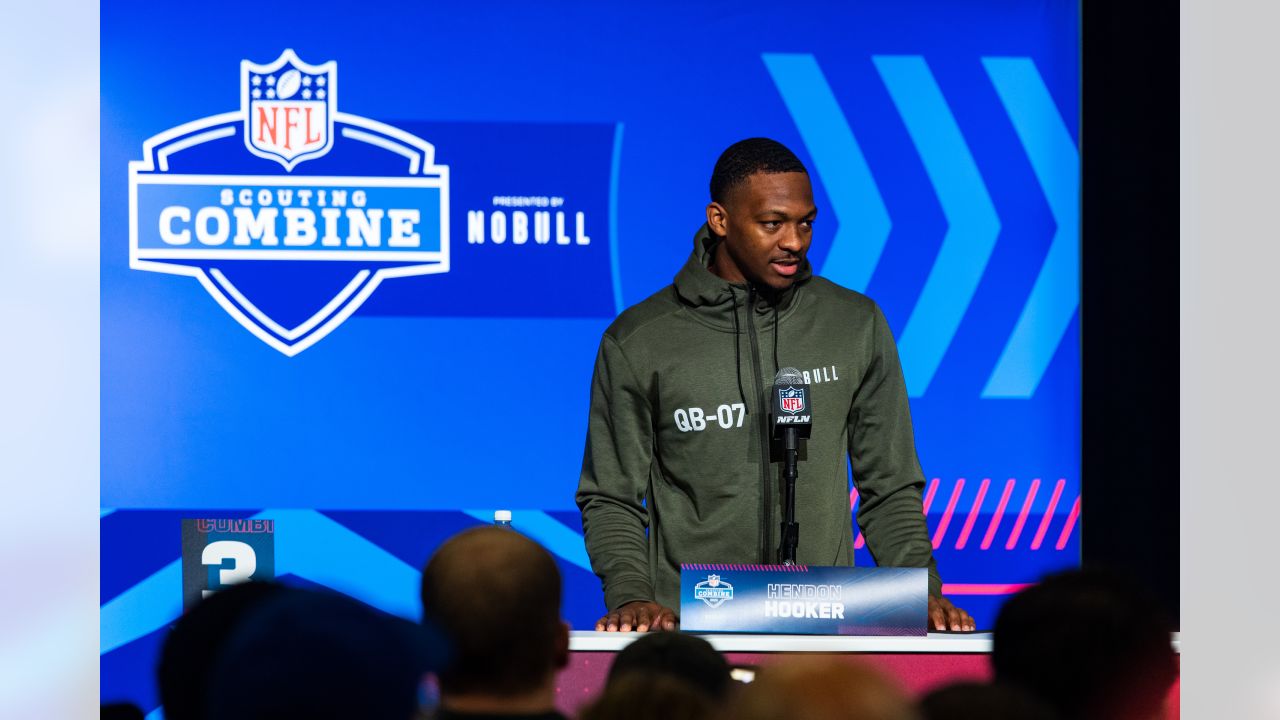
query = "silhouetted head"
x=984 y=701
x=195 y=642
x=815 y=688
x=1090 y=643
x=321 y=656
x=687 y=657
x=496 y=595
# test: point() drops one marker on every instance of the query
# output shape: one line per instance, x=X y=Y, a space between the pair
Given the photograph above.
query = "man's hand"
x=638 y=615
x=944 y=616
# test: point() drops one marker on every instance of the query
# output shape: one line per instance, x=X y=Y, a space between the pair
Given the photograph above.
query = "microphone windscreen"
x=788 y=376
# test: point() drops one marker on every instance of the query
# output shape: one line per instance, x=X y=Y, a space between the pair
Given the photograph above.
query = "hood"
x=715 y=299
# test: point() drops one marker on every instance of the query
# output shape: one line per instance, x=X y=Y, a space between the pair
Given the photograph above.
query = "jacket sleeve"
x=886 y=469
x=615 y=478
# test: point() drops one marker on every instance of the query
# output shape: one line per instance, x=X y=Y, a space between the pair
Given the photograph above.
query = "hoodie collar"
x=715 y=300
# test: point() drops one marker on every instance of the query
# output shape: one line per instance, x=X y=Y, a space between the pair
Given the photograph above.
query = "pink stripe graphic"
x=983 y=588
x=928 y=498
x=1048 y=514
x=1071 y=523
x=973 y=514
x=946 y=515
x=995 y=520
x=1022 y=516
x=853 y=507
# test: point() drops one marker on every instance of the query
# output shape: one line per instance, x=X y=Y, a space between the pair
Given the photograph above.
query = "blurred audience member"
x=120 y=711
x=980 y=701
x=496 y=595
x=815 y=688
x=1091 y=644
x=651 y=695
x=321 y=656
x=194 y=642
x=687 y=657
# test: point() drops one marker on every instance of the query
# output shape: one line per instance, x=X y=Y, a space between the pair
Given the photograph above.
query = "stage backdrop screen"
x=357 y=259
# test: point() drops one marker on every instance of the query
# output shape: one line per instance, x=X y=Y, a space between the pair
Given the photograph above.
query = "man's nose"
x=790 y=240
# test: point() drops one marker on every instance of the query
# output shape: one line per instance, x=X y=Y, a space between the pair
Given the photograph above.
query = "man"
x=1090 y=643
x=822 y=688
x=678 y=440
x=313 y=654
x=496 y=596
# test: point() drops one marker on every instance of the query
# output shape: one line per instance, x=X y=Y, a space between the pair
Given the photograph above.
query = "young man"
x=678 y=440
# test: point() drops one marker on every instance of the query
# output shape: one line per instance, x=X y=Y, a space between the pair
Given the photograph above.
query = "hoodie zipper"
x=762 y=422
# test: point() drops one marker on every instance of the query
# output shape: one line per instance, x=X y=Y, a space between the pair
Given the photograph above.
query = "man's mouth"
x=786 y=268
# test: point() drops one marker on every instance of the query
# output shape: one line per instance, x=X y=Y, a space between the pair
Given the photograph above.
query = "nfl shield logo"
x=791 y=400
x=289 y=108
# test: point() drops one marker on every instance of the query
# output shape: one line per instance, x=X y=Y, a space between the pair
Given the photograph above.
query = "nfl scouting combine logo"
x=292 y=236
x=713 y=591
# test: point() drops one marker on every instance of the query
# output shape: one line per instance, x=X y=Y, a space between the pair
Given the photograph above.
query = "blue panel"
x=558 y=159
x=1056 y=162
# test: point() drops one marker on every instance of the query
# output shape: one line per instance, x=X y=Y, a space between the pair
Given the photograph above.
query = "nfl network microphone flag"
x=791 y=407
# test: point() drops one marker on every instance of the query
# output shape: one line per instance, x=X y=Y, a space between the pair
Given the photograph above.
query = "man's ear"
x=562 y=646
x=718 y=219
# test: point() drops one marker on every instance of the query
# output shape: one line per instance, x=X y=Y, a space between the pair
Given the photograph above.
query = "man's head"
x=817 y=688
x=762 y=209
x=320 y=655
x=685 y=656
x=496 y=595
x=195 y=641
x=1089 y=643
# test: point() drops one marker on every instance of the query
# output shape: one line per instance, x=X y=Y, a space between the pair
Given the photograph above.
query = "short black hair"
x=687 y=657
x=496 y=596
x=747 y=157
x=1091 y=643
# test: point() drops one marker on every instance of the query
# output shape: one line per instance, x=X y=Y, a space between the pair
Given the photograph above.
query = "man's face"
x=767 y=224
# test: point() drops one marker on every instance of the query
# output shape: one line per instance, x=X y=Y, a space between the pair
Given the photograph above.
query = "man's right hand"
x=638 y=615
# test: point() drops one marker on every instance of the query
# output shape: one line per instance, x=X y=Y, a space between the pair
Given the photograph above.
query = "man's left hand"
x=943 y=616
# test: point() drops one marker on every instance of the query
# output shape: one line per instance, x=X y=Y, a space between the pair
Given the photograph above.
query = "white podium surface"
x=933 y=643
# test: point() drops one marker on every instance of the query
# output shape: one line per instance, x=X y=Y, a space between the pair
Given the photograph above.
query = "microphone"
x=791 y=405
x=791 y=414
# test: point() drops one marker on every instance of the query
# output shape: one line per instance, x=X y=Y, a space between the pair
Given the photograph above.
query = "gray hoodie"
x=678 y=440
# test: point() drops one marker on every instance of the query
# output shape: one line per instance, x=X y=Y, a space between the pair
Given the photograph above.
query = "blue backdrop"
x=549 y=168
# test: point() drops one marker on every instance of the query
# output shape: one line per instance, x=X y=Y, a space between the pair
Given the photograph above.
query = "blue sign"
x=421 y=192
x=217 y=553
x=803 y=600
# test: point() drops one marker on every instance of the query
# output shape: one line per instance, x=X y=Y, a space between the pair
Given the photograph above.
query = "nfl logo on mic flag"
x=217 y=553
x=792 y=400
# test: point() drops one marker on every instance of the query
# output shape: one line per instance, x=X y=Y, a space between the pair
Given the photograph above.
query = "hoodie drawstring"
x=776 y=366
x=737 y=349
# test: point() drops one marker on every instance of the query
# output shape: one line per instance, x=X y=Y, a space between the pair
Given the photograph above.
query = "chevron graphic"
x=971 y=218
x=314 y=548
x=972 y=222
x=1056 y=163
x=862 y=219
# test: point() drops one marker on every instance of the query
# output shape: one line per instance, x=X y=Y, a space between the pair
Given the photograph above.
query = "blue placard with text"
x=803 y=600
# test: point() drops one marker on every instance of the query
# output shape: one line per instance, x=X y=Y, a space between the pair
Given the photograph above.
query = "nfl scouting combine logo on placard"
x=713 y=591
x=292 y=236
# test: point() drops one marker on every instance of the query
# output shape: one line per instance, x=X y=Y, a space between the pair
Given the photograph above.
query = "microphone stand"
x=790 y=528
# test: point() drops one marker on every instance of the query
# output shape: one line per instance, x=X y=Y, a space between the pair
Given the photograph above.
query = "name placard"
x=803 y=600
